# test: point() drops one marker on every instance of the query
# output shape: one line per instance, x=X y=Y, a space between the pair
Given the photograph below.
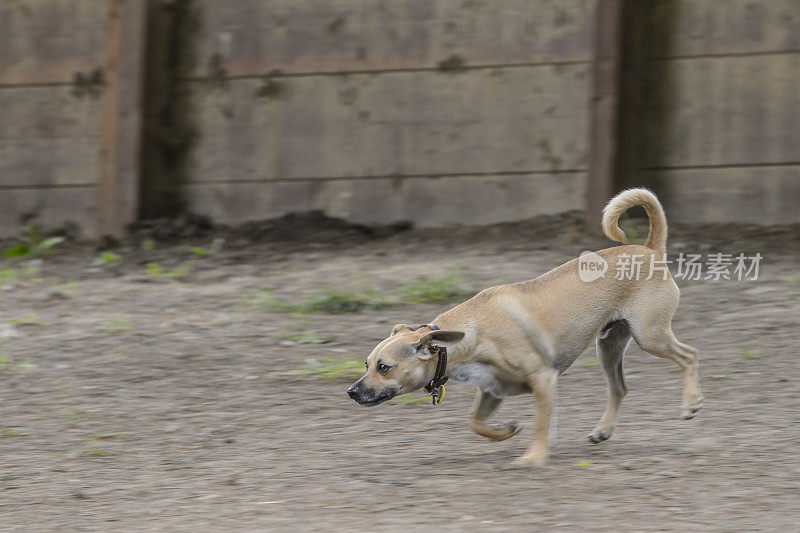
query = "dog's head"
x=401 y=363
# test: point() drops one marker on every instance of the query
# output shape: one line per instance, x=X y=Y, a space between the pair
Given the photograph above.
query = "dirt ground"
x=136 y=401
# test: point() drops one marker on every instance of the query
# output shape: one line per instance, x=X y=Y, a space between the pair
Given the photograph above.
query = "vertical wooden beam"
x=605 y=107
x=121 y=120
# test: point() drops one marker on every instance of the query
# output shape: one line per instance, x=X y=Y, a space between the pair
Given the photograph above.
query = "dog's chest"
x=487 y=378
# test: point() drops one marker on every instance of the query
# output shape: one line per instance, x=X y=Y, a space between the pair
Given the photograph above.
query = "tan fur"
x=520 y=337
x=657 y=238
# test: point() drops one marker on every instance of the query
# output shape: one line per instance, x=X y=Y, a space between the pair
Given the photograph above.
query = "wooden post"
x=118 y=189
x=605 y=108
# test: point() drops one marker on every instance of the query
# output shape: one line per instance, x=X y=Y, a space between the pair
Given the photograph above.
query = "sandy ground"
x=137 y=402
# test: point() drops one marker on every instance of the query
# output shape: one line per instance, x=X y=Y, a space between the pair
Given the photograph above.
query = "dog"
x=518 y=338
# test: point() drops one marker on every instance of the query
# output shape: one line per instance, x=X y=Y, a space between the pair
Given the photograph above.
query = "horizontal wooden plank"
x=758 y=195
x=704 y=27
x=406 y=123
x=253 y=37
x=427 y=202
x=61 y=161
x=48 y=209
x=48 y=41
x=723 y=111
x=48 y=113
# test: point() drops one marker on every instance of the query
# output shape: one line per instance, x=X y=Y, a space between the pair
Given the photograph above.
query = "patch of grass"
x=411 y=400
x=14 y=433
x=336 y=303
x=27 y=320
x=78 y=415
x=8 y=275
x=106 y=258
x=148 y=245
x=67 y=288
x=442 y=289
x=157 y=271
x=120 y=323
x=747 y=354
x=33 y=244
x=588 y=362
x=216 y=246
x=328 y=301
x=95 y=452
x=330 y=368
x=102 y=436
x=584 y=464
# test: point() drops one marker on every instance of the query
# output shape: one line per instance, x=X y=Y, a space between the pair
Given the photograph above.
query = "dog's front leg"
x=485 y=404
x=543 y=383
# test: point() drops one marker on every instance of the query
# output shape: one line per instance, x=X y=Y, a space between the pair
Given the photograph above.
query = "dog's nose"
x=352 y=392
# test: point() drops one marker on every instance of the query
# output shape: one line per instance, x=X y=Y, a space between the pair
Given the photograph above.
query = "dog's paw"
x=689 y=412
x=510 y=428
x=599 y=435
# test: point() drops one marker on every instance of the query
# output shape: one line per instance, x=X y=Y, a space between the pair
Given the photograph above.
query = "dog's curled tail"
x=657 y=237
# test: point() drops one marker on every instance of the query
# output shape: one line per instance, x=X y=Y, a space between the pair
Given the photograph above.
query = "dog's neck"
x=463 y=350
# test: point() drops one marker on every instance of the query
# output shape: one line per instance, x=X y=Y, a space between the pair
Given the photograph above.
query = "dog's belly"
x=487 y=378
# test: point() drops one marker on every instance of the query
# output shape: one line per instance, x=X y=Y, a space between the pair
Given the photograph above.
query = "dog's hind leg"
x=661 y=342
x=611 y=345
x=487 y=403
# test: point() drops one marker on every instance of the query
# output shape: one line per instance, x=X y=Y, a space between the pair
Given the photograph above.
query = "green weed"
x=120 y=323
x=27 y=320
x=442 y=289
x=748 y=354
x=157 y=271
x=14 y=433
x=148 y=245
x=33 y=244
x=216 y=246
x=102 y=436
x=412 y=400
x=106 y=258
x=95 y=452
x=330 y=368
x=588 y=362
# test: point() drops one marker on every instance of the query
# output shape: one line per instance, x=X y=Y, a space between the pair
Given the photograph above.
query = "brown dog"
x=518 y=338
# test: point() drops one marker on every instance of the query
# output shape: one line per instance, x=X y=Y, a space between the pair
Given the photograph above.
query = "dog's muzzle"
x=369 y=396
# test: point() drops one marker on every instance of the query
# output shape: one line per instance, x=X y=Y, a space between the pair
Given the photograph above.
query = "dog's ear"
x=435 y=338
x=401 y=328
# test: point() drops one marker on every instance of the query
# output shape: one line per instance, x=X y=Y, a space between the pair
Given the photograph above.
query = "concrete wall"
x=720 y=125
x=434 y=111
x=51 y=54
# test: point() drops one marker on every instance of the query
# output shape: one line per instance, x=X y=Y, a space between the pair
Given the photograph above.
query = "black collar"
x=436 y=386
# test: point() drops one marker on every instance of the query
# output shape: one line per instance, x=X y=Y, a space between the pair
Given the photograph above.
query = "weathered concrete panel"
x=48 y=113
x=49 y=41
x=723 y=111
x=758 y=195
x=425 y=201
x=253 y=37
x=705 y=27
x=48 y=208
x=405 y=123
x=36 y=162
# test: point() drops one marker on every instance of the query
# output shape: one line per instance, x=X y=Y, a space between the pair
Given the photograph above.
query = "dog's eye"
x=383 y=368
